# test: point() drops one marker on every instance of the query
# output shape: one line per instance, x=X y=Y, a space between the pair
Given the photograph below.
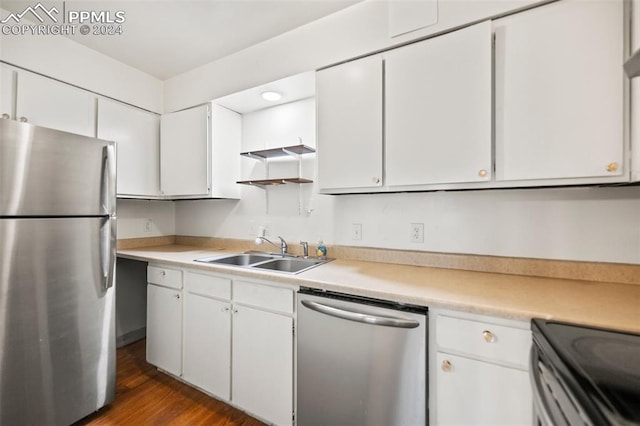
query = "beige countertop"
x=609 y=305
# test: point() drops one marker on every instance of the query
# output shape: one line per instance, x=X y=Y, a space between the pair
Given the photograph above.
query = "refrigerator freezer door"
x=46 y=172
x=57 y=319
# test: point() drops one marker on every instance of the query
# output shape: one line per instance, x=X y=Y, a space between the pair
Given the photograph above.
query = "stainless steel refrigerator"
x=57 y=266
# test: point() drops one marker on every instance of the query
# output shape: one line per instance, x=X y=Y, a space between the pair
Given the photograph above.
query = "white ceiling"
x=292 y=88
x=165 y=38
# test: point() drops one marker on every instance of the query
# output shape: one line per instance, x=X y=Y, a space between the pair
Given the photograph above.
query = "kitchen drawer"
x=484 y=340
x=263 y=296
x=207 y=285
x=166 y=277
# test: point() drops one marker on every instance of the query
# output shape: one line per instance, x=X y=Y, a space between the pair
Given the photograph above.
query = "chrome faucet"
x=283 y=243
x=305 y=248
x=283 y=246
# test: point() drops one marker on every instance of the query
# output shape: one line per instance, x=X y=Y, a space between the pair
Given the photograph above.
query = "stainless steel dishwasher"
x=360 y=361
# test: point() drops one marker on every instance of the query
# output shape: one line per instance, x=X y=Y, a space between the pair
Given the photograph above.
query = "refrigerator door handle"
x=360 y=316
x=108 y=253
x=108 y=184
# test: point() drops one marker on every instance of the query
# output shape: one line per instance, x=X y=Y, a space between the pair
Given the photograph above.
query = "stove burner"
x=604 y=356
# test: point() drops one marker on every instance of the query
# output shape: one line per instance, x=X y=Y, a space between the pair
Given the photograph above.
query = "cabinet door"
x=349 y=120
x=471 y=392
x=7 y=94
x=226 y=138
x=263 y=364
x=164 y=328
x=207 y=344
x=559 y=92
x=48 y=103
x=184 y=152
x=137 y=137
x=438 y=109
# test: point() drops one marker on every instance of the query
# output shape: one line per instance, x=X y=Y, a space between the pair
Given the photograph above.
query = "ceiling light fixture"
x=271 y=96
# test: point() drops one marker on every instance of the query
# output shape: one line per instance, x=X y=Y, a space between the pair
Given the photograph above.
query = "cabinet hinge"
x=293 y=416
x=293 y=328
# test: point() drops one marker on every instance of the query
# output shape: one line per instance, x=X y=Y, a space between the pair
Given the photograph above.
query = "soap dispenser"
x=321 y=250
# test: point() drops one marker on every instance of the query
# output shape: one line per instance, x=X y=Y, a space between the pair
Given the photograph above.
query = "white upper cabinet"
x=137 y=136
x=7 y=93
x=438 y=109
x=45 y=102
x=184 y=152
x=199 y=150
x=559 y=92
x=349 y=125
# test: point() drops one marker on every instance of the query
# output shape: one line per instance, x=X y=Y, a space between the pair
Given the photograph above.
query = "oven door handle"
x=360 y=316
x=540 y=405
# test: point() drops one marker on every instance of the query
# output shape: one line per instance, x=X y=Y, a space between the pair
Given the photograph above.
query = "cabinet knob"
x=489 y=337
x=177 y=296
x=6 y=116
x=375 y=180
x=23 y=119
x=226 y=309
x=446 y=365
x=164 y=274
x=482 y=173
x=612 y=167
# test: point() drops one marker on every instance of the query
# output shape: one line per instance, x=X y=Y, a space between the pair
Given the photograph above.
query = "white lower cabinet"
x=231 y=338
x=262 y=342
x=164 y=318
x=479 y=370
x=164 y=328
x=477 y=392
x=207 y=344
x=263 y=363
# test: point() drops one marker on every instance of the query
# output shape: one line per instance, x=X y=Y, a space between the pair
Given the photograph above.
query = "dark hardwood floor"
x=145 y=396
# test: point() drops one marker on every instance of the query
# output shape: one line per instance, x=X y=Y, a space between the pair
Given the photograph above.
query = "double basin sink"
x=288 y=264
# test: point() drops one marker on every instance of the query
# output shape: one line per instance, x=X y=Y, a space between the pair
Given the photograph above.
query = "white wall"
x=354 y=31
x=68 y=61
x=132 y=215
x=589 y=224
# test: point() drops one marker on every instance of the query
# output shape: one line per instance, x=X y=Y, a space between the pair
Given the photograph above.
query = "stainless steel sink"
x=265 y=261
x=291 y=266
x=243 y=259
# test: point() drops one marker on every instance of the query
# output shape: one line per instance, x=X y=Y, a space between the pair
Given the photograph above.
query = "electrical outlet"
x=267 y=230
x=356 y=231
x=147 y=225
x=417 y=233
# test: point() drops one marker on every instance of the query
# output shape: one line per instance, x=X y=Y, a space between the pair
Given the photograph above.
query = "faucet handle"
x=305 y=248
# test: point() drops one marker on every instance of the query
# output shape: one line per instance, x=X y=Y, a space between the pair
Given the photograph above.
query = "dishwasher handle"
x=360 y=316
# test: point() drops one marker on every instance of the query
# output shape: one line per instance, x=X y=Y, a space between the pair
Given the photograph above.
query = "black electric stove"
x=585 y=375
